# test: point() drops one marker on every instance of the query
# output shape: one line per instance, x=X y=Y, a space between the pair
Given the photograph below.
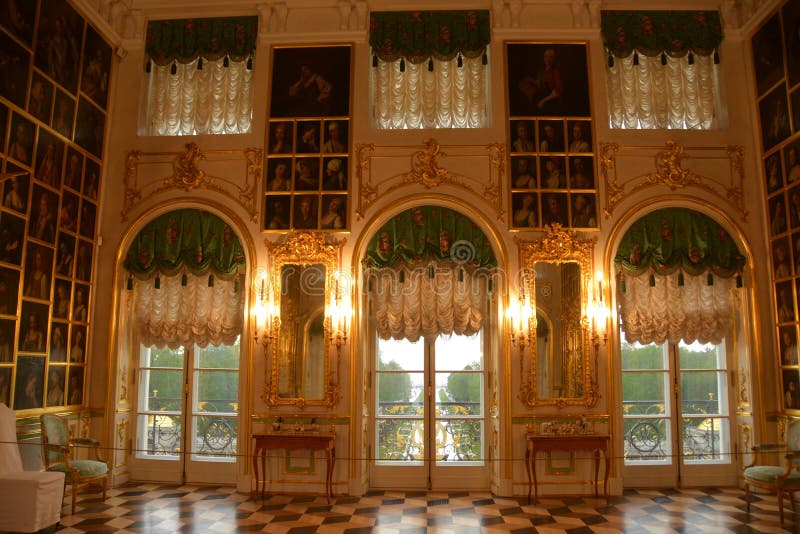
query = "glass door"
x=187 y=402
x=429 y=406
x=676 y=415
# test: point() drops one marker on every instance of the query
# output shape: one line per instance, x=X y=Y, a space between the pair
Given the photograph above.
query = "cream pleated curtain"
x=212 y=100
x=453 y=301
x=175 y=315
x=672 y=96
x=670 y=312
x=449 y=96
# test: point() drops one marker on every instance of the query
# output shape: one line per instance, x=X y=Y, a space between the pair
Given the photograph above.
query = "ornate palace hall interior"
x=340 y=265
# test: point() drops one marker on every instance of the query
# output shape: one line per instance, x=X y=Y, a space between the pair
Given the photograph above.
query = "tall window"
x=429 y=69
x=663 y=69
x=200 y=76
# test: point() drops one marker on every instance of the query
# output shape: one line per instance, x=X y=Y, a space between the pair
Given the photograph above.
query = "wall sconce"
x=340 y=312
x=265 y=312
x=520 y=325
x=522 y=330
x=598 y=312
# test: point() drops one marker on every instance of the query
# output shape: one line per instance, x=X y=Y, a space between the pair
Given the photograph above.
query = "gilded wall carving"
x=476 y=170
x=675 y=167
x=149 y=174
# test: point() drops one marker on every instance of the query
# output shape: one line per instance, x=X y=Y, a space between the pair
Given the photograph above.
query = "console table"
x=294 y=441
x=568 y=443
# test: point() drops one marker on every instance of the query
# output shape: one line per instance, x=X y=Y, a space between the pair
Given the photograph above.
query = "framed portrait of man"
x=791 y=36
x=5 y=385
x=12 y=229
x=7 y=340
x=33 y=327
x=16 y=187
x=29 y=389
x=774 y=114
x=547 y=79
x=40 y=99
x=17 y=16
x=9 y=291
x=63 y=114
x=58 y=42
x=14 y=70
x=310 y=81
x=90 y=127
x=95 y=69
x=768 y=55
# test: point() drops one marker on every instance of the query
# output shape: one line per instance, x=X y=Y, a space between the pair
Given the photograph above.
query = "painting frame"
x=311 y=81
x=29 y=388
x=773 y=111
x=767 y=55
x=548 y=79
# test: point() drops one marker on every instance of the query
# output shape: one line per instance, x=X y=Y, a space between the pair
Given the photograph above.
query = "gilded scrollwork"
x=745 y=436
x=120 y=458
x=187 y=174
x=427 y=170
x=671 y=172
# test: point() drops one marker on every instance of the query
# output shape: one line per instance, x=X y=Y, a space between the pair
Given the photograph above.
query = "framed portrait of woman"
x=547 y=79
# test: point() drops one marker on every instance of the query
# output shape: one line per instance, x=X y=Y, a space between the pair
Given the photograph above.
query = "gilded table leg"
x=596 y=471
x=263 y=470
x=255 y=467
x=331 y=461
x=605 y=477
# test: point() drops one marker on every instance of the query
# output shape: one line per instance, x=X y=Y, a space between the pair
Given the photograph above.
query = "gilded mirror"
x=557 y=371
x=300 y=370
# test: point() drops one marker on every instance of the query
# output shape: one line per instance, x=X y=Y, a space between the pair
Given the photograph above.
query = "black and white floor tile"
x=165 y=509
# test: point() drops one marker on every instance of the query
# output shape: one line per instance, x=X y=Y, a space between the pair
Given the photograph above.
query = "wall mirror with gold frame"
x=300 y=368
x=557 y=370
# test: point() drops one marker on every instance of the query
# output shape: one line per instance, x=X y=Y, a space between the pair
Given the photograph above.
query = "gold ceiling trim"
x=669 y=161
x=427 y=171
x=187 y=175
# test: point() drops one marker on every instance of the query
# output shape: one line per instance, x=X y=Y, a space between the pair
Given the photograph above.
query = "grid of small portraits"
x=551 y=157
x=552 y=173
x=307 y=175
x=52 y=116
x=776 y=60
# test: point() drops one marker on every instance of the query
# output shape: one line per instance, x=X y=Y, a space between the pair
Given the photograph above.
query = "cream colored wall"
x=345 y=22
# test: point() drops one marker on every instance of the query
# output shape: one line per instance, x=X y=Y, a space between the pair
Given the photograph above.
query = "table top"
x=555 y=437
x=567 y=441
x=295 y=434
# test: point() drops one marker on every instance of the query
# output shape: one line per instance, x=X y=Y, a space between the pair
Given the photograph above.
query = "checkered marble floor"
x=164 y=509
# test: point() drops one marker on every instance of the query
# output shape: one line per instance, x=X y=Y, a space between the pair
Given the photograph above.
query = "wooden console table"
x=295 y=441
x=568 y=443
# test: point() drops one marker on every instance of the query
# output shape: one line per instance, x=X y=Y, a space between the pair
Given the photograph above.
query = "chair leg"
x=747 y=495
x=105 y=485
x=780 y=504
x=74 y=495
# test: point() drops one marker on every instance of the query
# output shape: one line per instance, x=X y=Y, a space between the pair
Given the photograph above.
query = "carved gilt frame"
x=303 y=249
x=558 y=246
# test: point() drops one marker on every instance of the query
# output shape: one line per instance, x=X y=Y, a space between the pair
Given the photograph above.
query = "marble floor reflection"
x=163 y=509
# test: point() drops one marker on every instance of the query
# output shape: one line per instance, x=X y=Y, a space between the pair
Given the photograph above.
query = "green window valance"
x=429 y=233
x=419 y=35
x=192 y=240
x=675 y=33
x=185 y=40
x=676 y=238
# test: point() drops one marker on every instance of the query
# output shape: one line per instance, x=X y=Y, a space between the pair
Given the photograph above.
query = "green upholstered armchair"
x=57 y=453
x=779 y=479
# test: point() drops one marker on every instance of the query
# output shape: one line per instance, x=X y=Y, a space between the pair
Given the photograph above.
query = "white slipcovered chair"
x=29 y=500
